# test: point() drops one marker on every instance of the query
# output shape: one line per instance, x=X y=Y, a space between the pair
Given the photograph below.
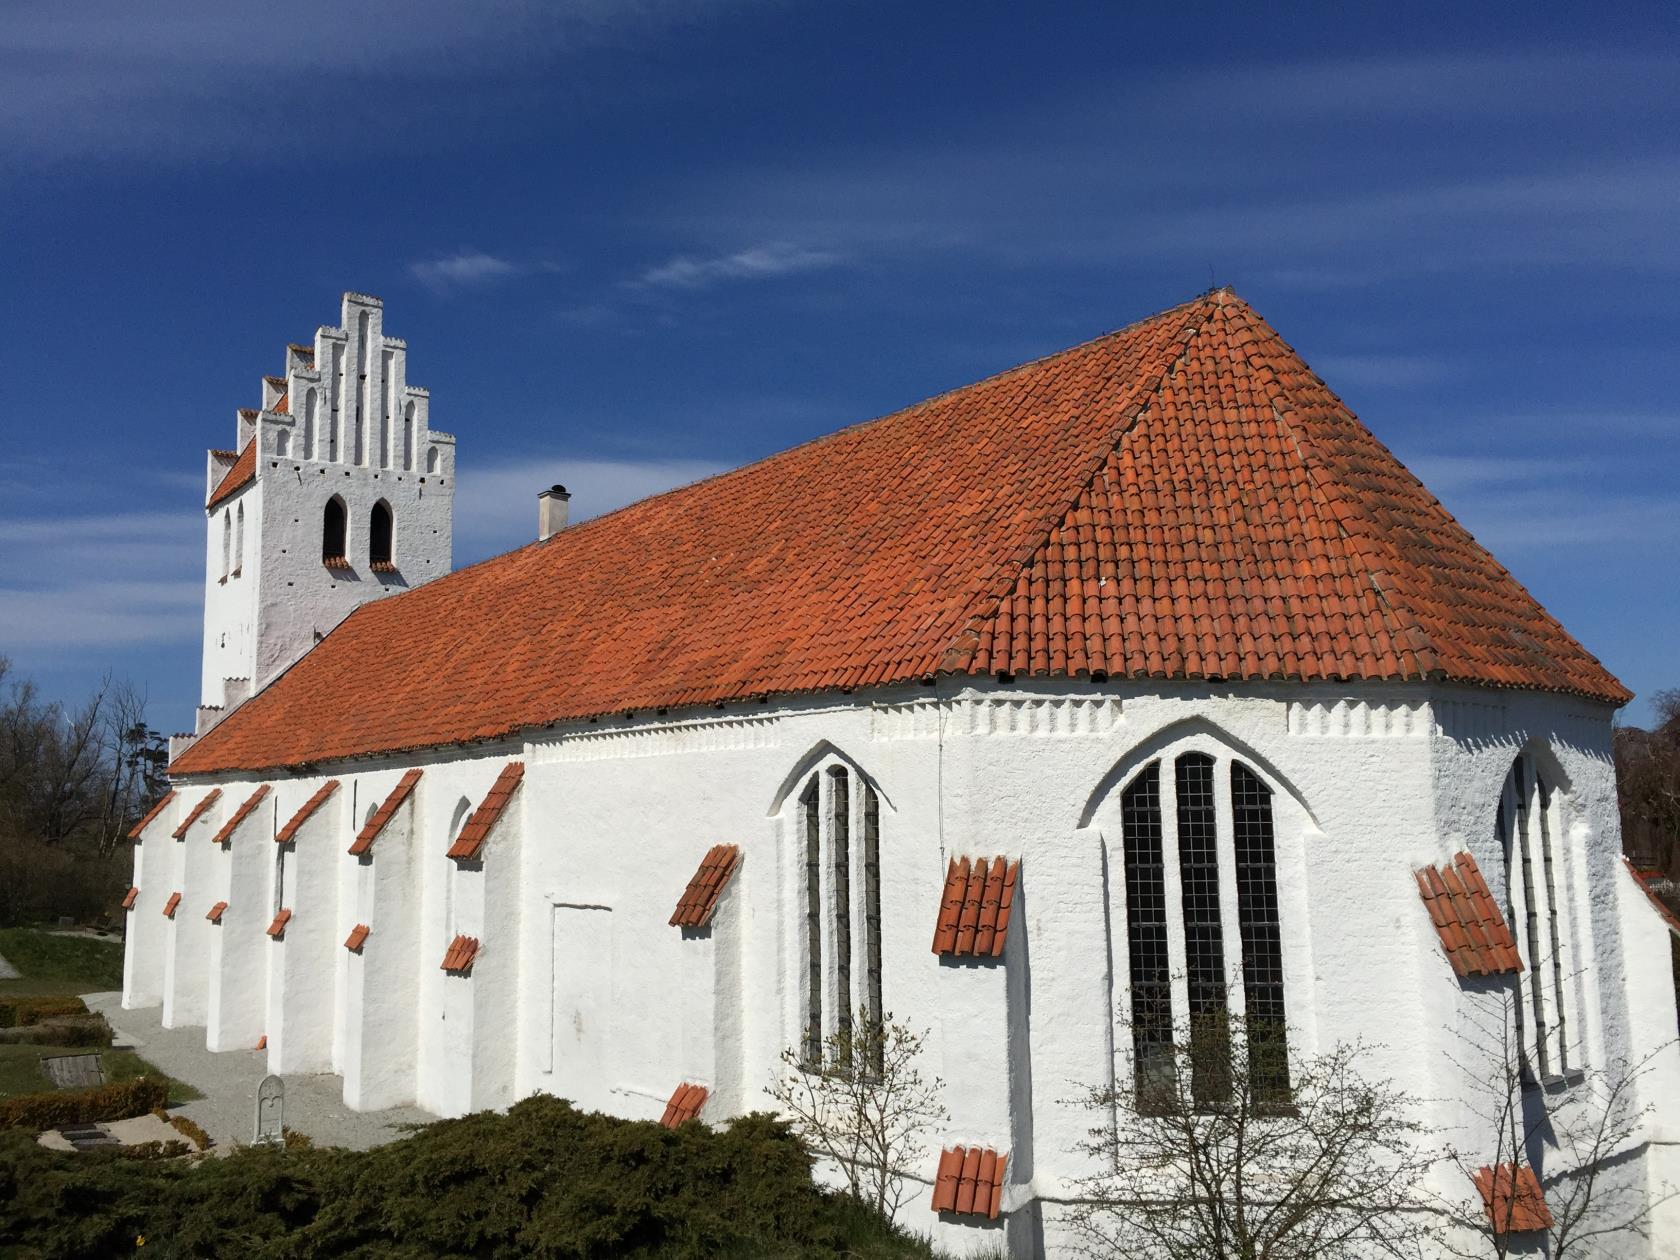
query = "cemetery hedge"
x=117 y=1100
x=544 y=1179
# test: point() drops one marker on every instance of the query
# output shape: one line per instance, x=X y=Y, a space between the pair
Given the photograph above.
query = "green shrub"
x=53 y=1110
x=545 y=1180
x=22 y=1012
x=188 y=1128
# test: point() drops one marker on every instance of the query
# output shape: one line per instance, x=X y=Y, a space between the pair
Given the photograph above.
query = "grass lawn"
x=52 y=964
x=65 y=966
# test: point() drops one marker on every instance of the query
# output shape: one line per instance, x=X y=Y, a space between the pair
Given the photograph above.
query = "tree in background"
x=1223 y=1153
x=72 y=782
x=865 y=1106
x=1570 y=1134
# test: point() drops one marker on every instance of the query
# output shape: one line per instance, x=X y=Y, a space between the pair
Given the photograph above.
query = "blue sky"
x=632 y=243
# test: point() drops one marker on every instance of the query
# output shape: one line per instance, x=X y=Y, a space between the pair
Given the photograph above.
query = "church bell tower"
x=337 y=491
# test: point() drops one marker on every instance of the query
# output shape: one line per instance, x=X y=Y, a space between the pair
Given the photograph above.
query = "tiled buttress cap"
x=477 y=828
x=969 y=1181
x=700 y=898
x=277 y=929
x=1520 y=1210
x=288 y=833
x=1182 y=499
x=975 y=909
x=684 y=1105
x=240 y=815
x=1474 y=933
x=458 y=958
x=135 y=831
x=386 y=811
x=210 y=798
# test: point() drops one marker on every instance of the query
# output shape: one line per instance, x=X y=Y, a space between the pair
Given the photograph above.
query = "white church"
x=1131 y=683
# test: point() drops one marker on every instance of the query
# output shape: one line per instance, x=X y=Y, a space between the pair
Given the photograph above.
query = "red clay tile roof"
x=974 y=911
x=130 y=897
x=1649 y=881
x=281 y=404
x=357 y=938
x=387 y=808
x=243 y=472
x=477 y=828
x=1527 y=1213
x=170 y=905
x=152 y=813
x=215 y=915
x=969 y=1181
x=239 y=815
x=700 y=898
x=1474 y=933
x=289 y=832
x=210 y=798
x=277 y=929
x=684 y=1105
x=460 y=954
x=1179 y=499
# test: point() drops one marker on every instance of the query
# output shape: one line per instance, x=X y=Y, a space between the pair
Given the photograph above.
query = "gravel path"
x=229 y=1080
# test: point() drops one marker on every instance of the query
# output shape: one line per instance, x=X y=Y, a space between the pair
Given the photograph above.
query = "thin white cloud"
x=465 y=269
x=761 y=262
x=1387 y=371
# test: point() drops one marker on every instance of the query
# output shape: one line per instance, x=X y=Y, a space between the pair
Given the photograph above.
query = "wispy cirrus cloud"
x=759 y=262
x=464 y=269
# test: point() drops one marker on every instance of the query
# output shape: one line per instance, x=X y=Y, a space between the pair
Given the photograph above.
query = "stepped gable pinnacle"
x=243 y=472
x=1182 y=498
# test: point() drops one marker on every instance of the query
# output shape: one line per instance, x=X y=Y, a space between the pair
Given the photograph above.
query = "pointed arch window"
x=334 y=531
x=838 y=826
x=1530 y=823
x=379 y=536
x=239 y=541
x=227 y=542
x=1192 y=834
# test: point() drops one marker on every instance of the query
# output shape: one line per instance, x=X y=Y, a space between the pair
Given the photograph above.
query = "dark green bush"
x=543 y=1180
x=22 y=1012
x=117 y=1100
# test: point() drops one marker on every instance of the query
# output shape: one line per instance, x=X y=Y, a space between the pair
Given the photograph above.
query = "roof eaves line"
x=967 y=639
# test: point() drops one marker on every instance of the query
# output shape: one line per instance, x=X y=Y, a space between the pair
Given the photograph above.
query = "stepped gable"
x=242 y=474
x=1179 y=499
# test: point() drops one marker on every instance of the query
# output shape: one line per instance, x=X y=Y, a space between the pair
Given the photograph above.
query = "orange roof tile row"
x=197 y=812
x=1179 y=499
x=169 y=907
x=458 y=958
x=130 y=897
x=242 y=474
x=357 y=938
x=277 y=929
x=700 y=898
x=974 y=911
x=1521 y=1212
x=135 y=831
x=387 y=809
x=240 y=815
x=684 y=1105
x=969 y=1181
x=1474 y=933
x=477 y=828
x=216 y=911
x=288 y=833
x=1648 y=881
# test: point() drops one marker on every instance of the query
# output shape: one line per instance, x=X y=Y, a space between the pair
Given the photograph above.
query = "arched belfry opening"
x=379 y=534
x=334 y=531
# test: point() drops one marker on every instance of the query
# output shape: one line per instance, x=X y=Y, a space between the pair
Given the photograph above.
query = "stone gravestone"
x=271 y=1107
x=73 y=1071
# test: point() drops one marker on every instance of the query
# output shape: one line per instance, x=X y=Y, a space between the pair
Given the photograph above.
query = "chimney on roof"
x=552 y=507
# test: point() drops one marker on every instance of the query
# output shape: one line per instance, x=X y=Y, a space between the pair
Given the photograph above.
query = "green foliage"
x=25 y=1012
x=116 y=1100
x=187 y=1128
x=53 y=963
x=543 y=1180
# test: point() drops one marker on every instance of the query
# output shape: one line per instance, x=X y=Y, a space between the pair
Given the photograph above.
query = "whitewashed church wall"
x=238 y=1004
x=144 y=940
x=300 y=961
x=383 y=1051
x=187 y=949
x=230 y=597
x=494 y=985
